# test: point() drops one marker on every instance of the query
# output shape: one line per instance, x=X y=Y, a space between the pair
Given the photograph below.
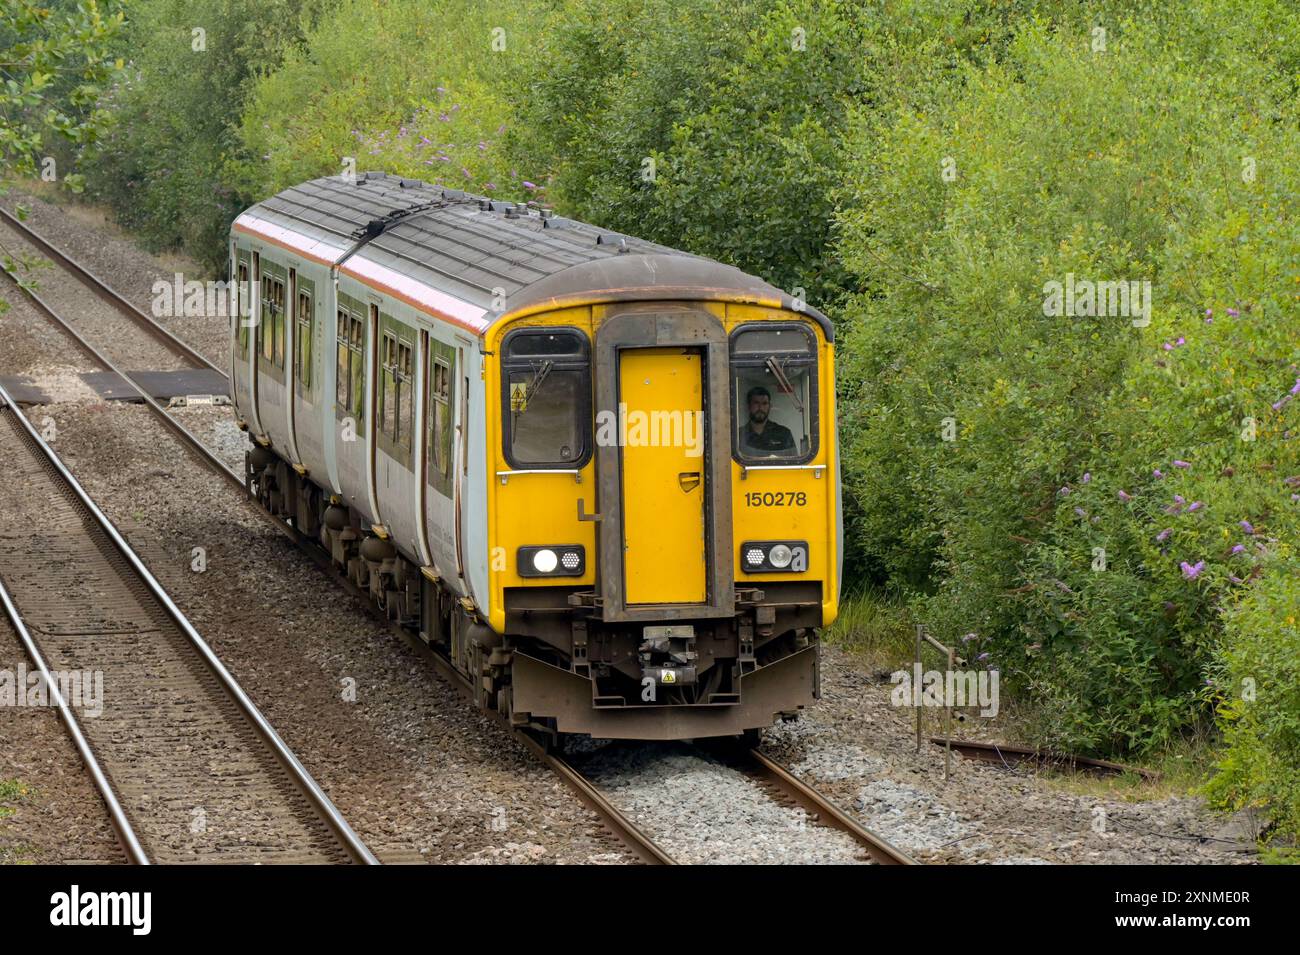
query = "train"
x=598 y=474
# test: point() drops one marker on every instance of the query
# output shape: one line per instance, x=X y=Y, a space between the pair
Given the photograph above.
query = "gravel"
x=701 y=811
x=859 y=749
x=56 y=814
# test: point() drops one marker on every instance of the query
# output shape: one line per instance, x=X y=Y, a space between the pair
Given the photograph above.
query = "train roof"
x=460 y=255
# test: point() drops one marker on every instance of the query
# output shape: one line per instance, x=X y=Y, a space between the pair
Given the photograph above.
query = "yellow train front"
x=619 y=514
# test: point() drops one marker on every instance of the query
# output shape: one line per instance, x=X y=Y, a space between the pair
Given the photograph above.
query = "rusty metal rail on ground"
x=1005 y=754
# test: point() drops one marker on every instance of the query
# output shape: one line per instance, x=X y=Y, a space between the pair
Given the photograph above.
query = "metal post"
x=947 y=721
x=916 y=703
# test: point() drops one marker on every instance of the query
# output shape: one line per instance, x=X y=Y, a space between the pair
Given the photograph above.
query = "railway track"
x=189 y=769
x=775 y=779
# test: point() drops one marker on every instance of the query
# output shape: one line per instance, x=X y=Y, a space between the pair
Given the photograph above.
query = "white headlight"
x=545 y=561
x=779 y=556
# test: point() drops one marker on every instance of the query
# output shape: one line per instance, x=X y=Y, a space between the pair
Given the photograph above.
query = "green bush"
x=163 y=167
x=1123 y=164
x=408 y=87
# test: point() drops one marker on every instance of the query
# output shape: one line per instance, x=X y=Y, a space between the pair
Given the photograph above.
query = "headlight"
x=562 y=560
x=766 y=557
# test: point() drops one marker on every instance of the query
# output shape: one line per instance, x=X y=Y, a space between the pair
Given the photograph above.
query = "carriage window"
x=390 y=396
x=774 y=393
x=351 y=362
x=271 y=328
x=440 y=419
x=546 y=383
x=302 y=340
x=395 y=397
x=242 y=308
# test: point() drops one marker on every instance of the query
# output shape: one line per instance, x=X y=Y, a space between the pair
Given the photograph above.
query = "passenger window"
x=356 y=349
x=242 y=296
x=302 y=340
x=774 y=393
x=390 y=397
x=343 y=388
x=271 y=327
x=440 y=418
x=405 y=416
x=350 y=346
x=546 y=379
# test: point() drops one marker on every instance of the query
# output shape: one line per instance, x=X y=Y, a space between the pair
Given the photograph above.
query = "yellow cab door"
x=661 y=393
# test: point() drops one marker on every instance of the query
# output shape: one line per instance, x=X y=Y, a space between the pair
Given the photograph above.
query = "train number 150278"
x=776 y=499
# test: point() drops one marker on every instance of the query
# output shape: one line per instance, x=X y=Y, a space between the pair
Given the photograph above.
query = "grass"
x=876 y=630
x=11 y=791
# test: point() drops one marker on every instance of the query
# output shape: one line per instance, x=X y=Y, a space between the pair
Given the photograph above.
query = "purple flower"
x=982 y=657
x=1182 y=464
x=1087 y=476
x=1164 y=534
x=1181 y=341
x=1209 y=312
x=1192 y=571
x=1238 y=548
x=1167 y=347
x=968 y=638
x=1194 y=506
x=1295 y=389
x=1125 y=495
x=1246 y=526
x=1233 y=312
x=1064 y=491
x=1081 y=512
x=1159 y=474
x=529 y=185
x=1235 y=579
x=1179 y=499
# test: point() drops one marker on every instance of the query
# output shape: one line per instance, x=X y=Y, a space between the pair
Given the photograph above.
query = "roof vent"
x=556 y=222
x=453 y=193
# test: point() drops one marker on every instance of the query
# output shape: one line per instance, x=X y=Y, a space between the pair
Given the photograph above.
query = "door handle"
x=689 y=480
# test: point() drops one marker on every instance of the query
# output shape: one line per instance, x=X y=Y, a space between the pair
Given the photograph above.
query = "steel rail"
x=826 y=811
x=105 y=292
x=321 y=802
x=126 y=834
